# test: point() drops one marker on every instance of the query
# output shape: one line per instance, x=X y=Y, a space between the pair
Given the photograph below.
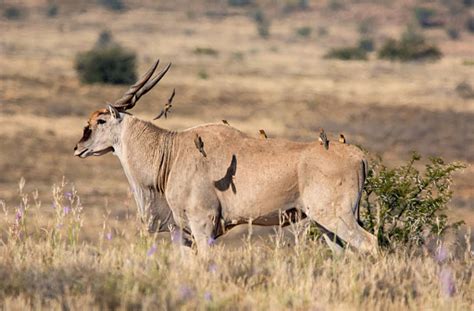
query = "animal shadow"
x=228 y=180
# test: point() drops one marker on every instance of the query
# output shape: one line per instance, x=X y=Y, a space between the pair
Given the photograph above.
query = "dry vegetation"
x=45 y=263
x=281 y=83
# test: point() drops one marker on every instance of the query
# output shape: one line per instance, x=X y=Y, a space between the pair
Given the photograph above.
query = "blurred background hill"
x=393 y=76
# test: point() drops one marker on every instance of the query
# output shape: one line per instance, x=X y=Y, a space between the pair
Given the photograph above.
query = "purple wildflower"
x=448 y=288
x=18 y=215
x=152 y=250
x=53 y=205
x=213 y=268
x=211 y=241
x=186 y=292
x=441 y=254
x=208 y=296
x=66 y=210
x=176 y=237
x=108 y=236
x=68 y=195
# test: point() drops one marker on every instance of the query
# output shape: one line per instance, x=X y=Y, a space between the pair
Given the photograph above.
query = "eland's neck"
x=146 y=153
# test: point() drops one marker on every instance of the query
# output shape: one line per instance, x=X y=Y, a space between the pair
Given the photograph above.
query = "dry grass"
x=46 y=262
x=282 y=84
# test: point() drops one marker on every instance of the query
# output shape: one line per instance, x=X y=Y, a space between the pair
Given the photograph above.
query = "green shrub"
x=114 y=5
x=335 y=5
x=264 y=29
x=303 y=4
x=470 y=24
x=202 y=74
x=391 y=50
x=239 y=2
x=52 y=10
x=259 y=16
x=366 y=44
x=412 y=46
x=263 y=23
x=109 y=64
x=238 y=56
x=468 y=62
x=105 y=39
x=404 y=206
x=422 y=14
x=465 y=90
x=294 y=5
x=304 y=31
x=205 y=51
x=347 y=53
x=453 y=33
x=13 y=13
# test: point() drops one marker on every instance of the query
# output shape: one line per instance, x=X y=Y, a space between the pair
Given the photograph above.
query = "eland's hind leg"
x=349 y=230
x=340 y=220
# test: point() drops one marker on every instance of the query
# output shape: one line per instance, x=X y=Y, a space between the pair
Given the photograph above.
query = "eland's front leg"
x=200 y=212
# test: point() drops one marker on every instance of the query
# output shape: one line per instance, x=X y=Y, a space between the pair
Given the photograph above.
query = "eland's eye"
x=100 y=121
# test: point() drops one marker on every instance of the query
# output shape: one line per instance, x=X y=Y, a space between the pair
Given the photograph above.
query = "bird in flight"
x=168 y=106
x=263 y=134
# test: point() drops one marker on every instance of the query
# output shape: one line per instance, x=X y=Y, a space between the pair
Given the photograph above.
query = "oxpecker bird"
x=263 y=134
x=199 y=144
x=342 y=139
x=225 y=122
x=323 y=139
x=168 y=106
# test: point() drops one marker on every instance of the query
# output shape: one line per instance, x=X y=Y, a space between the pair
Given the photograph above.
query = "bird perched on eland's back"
x=342 y=139
x=199 y=144
x=323 y=139
x=263 y=134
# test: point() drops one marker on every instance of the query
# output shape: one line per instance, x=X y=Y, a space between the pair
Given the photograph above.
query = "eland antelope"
x=240 y=180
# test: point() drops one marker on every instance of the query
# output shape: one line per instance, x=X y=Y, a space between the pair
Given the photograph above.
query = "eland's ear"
x=114 y=112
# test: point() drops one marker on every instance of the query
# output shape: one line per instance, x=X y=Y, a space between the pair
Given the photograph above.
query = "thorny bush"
x=405 y=206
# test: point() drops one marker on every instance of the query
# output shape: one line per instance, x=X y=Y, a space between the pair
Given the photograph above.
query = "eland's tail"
x=362 y=176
